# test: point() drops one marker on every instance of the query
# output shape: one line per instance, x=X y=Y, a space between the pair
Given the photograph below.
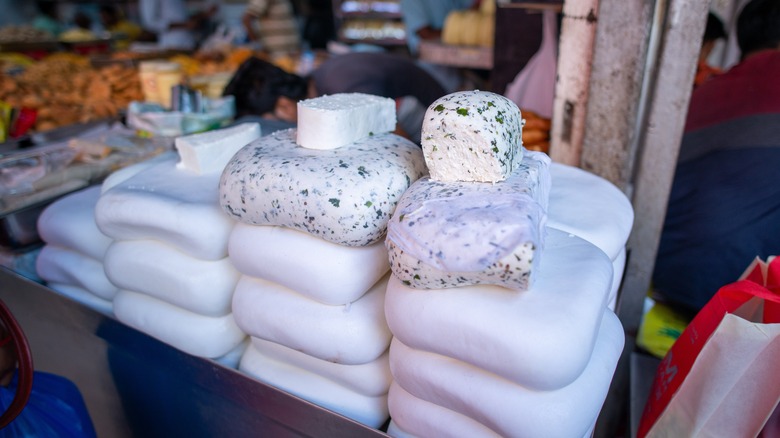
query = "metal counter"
x=135 y=385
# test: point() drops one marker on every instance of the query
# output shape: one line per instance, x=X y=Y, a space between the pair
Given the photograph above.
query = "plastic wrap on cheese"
x=345 y=195
x=330 y=122
x=449 y=234
x=472 y=136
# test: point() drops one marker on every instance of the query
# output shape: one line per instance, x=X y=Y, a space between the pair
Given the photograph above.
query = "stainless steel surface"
x=135 y=385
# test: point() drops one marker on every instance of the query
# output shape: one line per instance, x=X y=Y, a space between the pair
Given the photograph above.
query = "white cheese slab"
x=124 y=173
x=371 y=379
x=472 y=136
x=506 y=408
x=352 y=334
x=84 y=297
x=369 y=410
x=413 y=417
x=344 y=196
x=332 y=121
x=163 y=203
x=69 y=222
x=451 y=234
x=590 y=207
x=541 y=338
x=198 y=335
x=210 y=151
x=160 y=270
x=65 y=266
x=321 y=270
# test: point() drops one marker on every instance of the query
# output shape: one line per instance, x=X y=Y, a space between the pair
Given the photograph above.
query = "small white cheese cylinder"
x=210 y=151
x=472 y=136
x=333 y=121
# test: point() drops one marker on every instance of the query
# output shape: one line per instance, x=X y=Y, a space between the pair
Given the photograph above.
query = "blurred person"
x=113 y=21
x=724 y=209
x=273 y=24
x=262 y=89
x=713 y=32
x=170 y=21
x=48 y=18
x=81 y=31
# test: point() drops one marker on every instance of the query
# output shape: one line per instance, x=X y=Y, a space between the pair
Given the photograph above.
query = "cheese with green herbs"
x=345 y=195
x=472 y=136
x=450 y=234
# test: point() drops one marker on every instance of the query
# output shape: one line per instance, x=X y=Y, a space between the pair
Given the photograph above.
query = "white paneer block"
x=507 y=408
x=232 y=358
x=321 y=270
x=372 y=378
x=353 y=334
x=589 y=207
x=65 y=266
x=198 y=335
x=84 y=297
x=69 y=222
x=121 y=175
x=413 y=417
x=330 y=122
x=369 y=410
x=450 y=234
x=163 y=203
x=472 y=136
x=210 y=151
x=541 y=338
x=344 y=196
x=160 y=270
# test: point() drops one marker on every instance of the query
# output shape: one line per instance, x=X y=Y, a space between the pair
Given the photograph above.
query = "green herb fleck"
x=369 y=204
x=371 y=134
x=407 y=282
x=495 y=149
x=400 y=218
x=491 y=104
x=334 y=201
x=416 y=276
x=463 y=111
x=500 y=119
x=439 y=108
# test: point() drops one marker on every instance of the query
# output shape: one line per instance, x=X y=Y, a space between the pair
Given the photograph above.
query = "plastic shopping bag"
x=533 y=88
x=720 y=377
x=55 y=409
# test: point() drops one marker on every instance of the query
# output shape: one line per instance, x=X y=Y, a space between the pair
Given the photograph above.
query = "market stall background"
x=653 y=61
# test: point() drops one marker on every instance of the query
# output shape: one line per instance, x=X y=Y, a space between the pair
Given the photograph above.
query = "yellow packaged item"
x=660 y=327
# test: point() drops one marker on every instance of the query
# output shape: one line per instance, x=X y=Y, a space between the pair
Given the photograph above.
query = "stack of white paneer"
x=500 y=323
x=313 y=206
x=71 y=261
x=169 y=251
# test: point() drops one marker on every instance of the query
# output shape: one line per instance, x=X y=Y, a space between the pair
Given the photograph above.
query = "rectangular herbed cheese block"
x=210 y=151
x=472 y=136
x=449 y=234
x=345 y=195
x=330 y=122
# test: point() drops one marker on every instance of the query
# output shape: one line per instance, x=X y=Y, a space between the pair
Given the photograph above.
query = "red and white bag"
x=720 y=378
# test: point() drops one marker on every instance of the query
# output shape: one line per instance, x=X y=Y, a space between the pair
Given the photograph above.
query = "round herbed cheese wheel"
x=472 y=136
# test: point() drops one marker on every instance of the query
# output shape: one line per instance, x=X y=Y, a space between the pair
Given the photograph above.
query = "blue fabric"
x=56 y=409
x=724 y=210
